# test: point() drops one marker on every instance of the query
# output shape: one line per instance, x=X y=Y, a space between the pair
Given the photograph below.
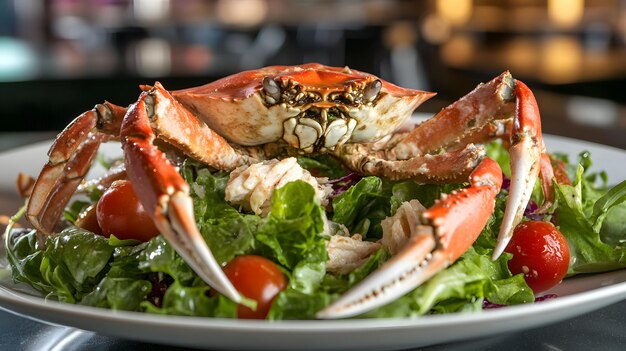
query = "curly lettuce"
x=594 y=228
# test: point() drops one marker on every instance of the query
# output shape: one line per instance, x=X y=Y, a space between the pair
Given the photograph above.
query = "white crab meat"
x=346 y=253
x=400 y=227
x=251 y=186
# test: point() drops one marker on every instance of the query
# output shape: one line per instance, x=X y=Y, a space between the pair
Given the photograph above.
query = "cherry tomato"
x=539 y=251
x=256 y=278
x=120 y=213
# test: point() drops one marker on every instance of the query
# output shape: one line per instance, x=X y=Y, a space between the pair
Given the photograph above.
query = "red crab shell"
x=312 y=96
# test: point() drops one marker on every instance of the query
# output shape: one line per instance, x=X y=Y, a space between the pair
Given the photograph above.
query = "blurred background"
x=60 y=57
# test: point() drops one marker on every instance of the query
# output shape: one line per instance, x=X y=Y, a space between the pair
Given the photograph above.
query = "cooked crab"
x=276 y=111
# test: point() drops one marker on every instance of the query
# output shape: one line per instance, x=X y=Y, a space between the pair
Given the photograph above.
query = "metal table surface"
x=604 y=329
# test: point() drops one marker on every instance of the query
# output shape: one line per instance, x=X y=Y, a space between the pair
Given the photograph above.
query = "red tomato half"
x=256 y=278
x=120 y=213
x=539 y=251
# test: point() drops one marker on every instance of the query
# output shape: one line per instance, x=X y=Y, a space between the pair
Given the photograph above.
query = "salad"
x=279 y=261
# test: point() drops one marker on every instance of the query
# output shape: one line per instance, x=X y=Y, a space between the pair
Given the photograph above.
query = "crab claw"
x=528 y=157
x=179 y=228
x=447 y=230
x=163 y=192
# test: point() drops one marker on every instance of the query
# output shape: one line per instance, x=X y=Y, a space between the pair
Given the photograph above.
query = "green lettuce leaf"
x=74 y=261
x=581 y=220
x=461 y=287
x=160 y=256
x=294 y=229
x=25 y=258
x=297 y=305
x=125 y=285
x=227 y=231
x=193 y=301
x=322 y=166
x=118 y=293
x=71 y=265
x=293 y=235
x=363 y=206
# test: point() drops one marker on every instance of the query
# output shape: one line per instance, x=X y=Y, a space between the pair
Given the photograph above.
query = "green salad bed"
x=80 y=267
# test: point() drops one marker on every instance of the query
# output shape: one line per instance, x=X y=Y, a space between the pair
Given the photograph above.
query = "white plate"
x=577 y=296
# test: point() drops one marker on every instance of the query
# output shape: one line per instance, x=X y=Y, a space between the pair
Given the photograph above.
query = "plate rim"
x=356 y=334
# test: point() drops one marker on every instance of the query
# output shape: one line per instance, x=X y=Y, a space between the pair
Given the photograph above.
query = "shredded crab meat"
x=346 y=253
x=400 y=227
x=251 y=186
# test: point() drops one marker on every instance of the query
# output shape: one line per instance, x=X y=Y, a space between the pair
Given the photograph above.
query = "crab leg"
x=162 y=191
x=483 y=114
x=453 y=166
x=448 y=229
x=69 y=159
x=485 y=111
x=487 y=103
x=175 y=125
x=528 y=157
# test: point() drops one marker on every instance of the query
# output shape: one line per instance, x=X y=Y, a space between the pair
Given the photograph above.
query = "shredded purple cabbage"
x=506 y=182
x=347 y=178
x=487 y=305
x=344 y=183
x=490 y=305
x=531 y=210
x=159 y=287
x=546 y=297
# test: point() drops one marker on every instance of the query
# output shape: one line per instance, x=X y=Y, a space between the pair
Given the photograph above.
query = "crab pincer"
x=162 y=190
x=528 y=160
x=447 y=230
x=451 y=226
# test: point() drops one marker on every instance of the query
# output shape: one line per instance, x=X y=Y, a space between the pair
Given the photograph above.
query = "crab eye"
x=271 y=88
x=372 y=89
